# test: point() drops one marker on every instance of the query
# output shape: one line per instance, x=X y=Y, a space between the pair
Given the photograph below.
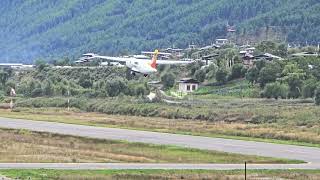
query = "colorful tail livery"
x=154 y=59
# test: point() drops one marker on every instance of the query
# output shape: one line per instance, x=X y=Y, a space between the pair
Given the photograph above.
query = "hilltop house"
x=221 y=42
x=267 y=56
x=248 y=59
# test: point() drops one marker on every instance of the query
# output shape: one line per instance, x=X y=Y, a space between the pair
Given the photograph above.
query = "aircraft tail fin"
x=154 y=59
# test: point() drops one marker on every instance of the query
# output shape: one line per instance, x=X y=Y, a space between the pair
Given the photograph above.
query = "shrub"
x=200 y=75
x=269 y=74
x=317 y=96
x=308 y=89
x=168 y=80
x=252 y=75
x=237 y=71
x=221 y=75
x=140 y=90
x=276 y=90
x=1 y=97
x=244 y=71
x=36 y=92
x=211 y=71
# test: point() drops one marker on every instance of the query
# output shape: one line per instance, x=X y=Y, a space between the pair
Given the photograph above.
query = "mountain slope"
x=31 y=29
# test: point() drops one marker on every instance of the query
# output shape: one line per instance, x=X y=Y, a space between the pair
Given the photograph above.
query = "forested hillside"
x=32 y=29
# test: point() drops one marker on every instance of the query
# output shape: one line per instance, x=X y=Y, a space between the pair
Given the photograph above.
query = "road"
x=308 y=154
x=124 y=166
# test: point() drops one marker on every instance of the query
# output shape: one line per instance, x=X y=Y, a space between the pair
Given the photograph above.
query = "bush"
x=168 y=80
x=221 y=76
x=36 y=92
x=308 y=89
x=115 y=87
x=211 y=71
x=2 y=97
x=237 y=71
x=244 y=71
x=317 y=96
x=276 y=90
x=200 y=75
x=140 y=90
x=252 y=75
x=269 y=74
x=295 y=84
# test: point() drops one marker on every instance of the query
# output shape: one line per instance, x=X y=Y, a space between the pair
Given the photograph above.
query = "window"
x=188 y=87
x=193 y=87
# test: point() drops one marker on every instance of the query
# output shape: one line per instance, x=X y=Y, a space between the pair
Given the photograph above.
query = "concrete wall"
x=188 y=87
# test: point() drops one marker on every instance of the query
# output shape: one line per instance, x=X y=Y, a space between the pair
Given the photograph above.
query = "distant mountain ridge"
x=32 y=29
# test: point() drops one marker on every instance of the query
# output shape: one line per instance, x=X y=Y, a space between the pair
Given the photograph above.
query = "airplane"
x=139 y=63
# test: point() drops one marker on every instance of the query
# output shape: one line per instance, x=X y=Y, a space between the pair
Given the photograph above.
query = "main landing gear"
x=134 y=74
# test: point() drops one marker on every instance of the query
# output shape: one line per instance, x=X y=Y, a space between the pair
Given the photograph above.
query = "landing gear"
x=132 y=73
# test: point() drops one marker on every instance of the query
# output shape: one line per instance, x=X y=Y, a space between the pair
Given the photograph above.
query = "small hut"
x=188 y=85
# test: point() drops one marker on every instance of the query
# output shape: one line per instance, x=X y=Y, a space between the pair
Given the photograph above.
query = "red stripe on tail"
x=154 y=59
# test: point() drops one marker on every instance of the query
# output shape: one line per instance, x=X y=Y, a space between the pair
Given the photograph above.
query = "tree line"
x=32 y=29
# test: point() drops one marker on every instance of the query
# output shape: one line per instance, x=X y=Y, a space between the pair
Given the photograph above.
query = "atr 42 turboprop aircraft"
x=137 y=64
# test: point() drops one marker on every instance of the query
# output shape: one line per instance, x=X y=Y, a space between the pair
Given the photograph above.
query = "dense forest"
x=33 y=29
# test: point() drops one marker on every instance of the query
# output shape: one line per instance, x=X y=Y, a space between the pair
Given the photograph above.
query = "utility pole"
x=245 y=170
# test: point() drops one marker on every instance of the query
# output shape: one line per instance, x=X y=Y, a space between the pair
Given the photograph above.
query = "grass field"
x=27 y=147
x=161 y=174
x=287 y=122
x=234 y=89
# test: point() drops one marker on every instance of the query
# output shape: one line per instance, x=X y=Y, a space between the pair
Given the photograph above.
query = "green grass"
x=160 y=174
x=23 y=146
x=232 y=89
x=240 y=131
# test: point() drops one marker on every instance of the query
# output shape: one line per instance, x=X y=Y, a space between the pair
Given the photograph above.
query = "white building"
x=16 y=66
x=221 y=42
x=188 y=85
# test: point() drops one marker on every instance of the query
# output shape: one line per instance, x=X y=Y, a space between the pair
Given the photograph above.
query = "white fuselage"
x=141 y=66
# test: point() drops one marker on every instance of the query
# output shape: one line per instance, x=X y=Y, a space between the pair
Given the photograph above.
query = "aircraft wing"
x=109 y=58
x=152 y=53
x=173 y=62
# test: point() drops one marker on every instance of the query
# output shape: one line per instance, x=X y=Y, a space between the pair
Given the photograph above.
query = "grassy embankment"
x=31 y=147
x=282 y=121
x=238 y=88
x=161 y=174
x=228 y=116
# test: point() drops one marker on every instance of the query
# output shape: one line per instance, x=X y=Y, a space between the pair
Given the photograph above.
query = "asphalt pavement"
x=310 y=155
x=141 y=166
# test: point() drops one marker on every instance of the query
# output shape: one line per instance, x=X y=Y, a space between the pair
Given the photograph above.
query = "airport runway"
x=308 y=154
x=126 y=166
